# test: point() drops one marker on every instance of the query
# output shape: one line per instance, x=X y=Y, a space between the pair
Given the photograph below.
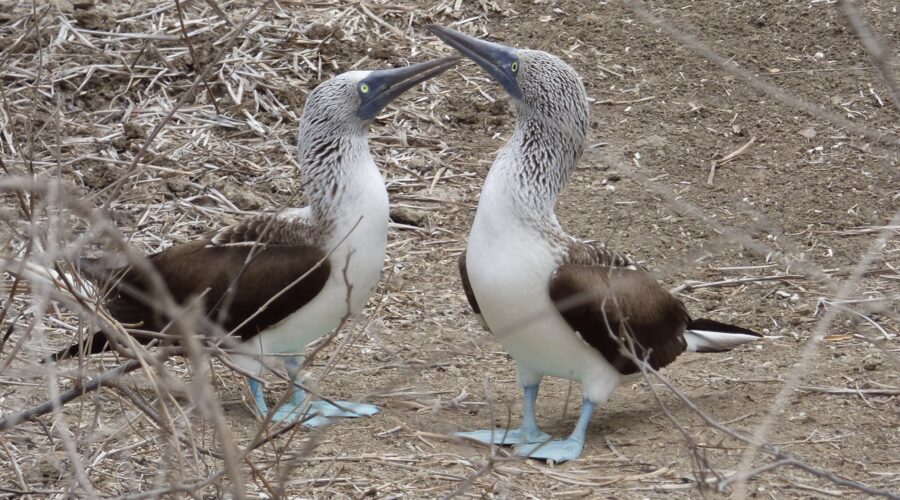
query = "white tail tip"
x=706 y=335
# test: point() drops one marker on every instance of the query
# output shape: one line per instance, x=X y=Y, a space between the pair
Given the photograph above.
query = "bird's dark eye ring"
x=514 y=66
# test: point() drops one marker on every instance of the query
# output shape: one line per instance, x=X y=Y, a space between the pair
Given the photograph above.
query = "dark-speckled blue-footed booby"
x=560 y=306
x=344 y=228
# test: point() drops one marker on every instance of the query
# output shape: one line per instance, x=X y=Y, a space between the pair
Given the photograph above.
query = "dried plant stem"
x=792 y=381
x=190 y=46
x=116 y=187
x=105 y=379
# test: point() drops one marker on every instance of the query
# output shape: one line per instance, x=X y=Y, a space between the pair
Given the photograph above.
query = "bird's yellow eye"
x=364 y=88
x=514 y=66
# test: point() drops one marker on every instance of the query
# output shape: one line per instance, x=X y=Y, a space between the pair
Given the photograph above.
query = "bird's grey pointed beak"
x=385 y=85
x=492 y=57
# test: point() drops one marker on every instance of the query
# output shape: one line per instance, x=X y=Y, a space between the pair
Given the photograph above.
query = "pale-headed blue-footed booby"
x=561 y=307
x=345 y=227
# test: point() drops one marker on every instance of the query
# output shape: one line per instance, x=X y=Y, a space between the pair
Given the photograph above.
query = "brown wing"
x=618 y=310
x=233 y=290
x=467 y=286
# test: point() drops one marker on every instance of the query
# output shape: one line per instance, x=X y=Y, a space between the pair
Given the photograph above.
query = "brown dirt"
x=424 y=358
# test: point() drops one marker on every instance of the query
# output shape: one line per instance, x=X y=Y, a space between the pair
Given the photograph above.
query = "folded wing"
x=232 y=273
x=622 y=312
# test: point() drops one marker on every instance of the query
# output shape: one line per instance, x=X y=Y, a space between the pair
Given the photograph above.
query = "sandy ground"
x=804 y=200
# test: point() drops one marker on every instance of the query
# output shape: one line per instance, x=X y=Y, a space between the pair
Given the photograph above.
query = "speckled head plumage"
x=551 y=89
x=351 y=100
x=540 y=84
x=330 y=123
x=552 y=123
x=336 y=100
x=336 y=118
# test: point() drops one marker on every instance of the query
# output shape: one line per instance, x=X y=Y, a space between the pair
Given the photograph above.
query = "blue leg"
x=527 y=433
x=287 y=411
x=259 y=402
x=262 y=410
x=562 y=450
x=293 y=409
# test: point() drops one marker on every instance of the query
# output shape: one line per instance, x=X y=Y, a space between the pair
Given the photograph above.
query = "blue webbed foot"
x=317 y=422
x=313 y=422
x=506 y=436
x=322 y=411
x=288 y=412
x=345 y=409
x=558 y=450
x=315 y=413
x=561 y=450
x=527 y=433
x=291 y=412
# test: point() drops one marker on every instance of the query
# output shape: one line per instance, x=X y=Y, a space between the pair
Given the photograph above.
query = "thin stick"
x=190 y=46
x=792 y=381
x=691 y=285
x=727 y=158
x=634 y=101
x=106 y=378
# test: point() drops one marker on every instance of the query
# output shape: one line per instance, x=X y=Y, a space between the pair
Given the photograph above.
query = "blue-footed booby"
x=560 y=306
x=338 y=242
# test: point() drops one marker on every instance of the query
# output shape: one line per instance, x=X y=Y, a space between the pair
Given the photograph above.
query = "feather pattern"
x=548 y=139
x=271 y=229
